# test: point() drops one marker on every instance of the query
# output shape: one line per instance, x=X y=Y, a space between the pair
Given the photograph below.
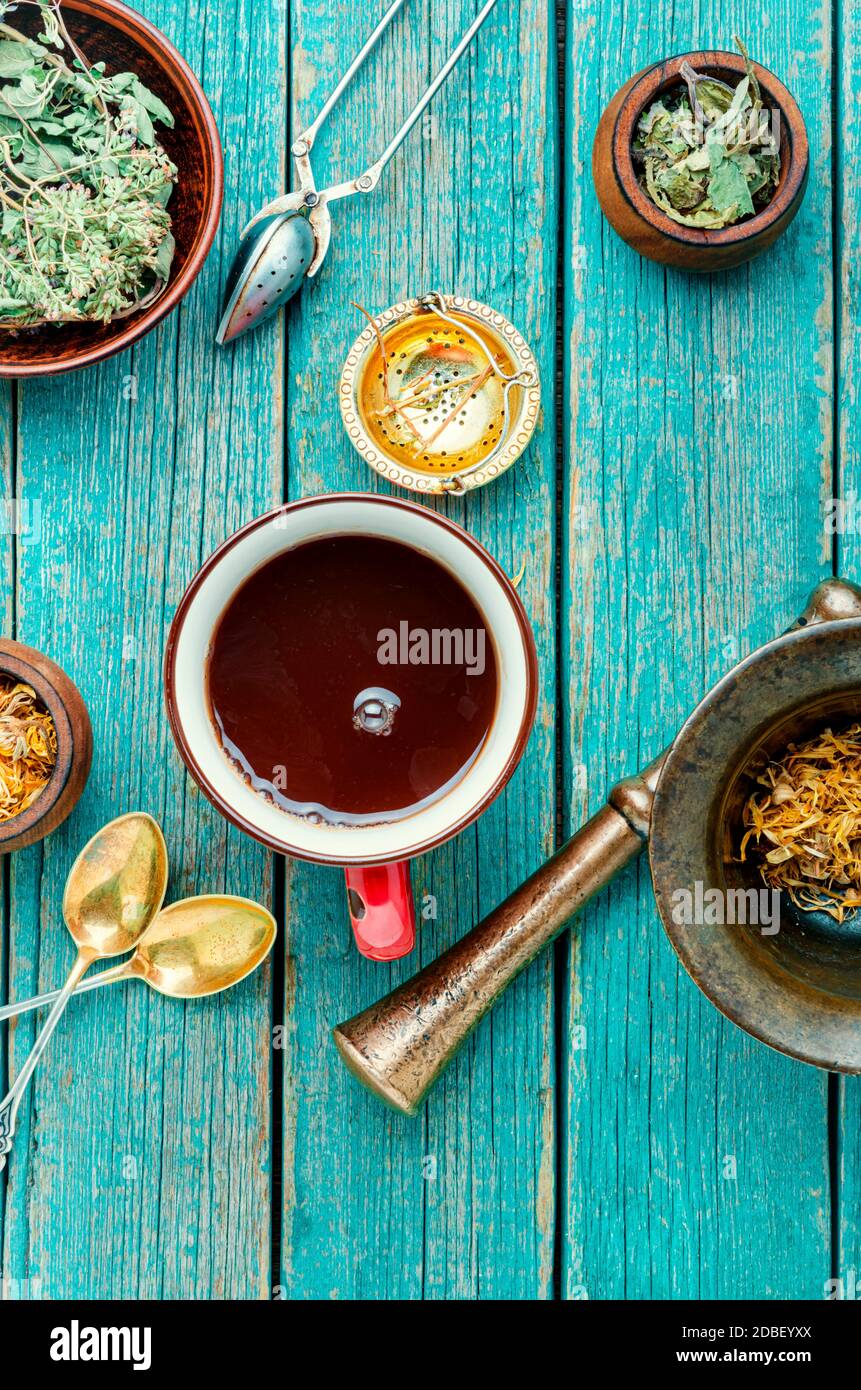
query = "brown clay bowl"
x=110 y=31
x=649 y=230
x=64 y=703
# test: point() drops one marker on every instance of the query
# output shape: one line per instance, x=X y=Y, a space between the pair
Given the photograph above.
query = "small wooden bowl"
x=643 y=225
x=64 y=703
x=108 y=30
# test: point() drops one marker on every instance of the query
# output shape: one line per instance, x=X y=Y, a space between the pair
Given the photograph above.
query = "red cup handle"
x=380 y=899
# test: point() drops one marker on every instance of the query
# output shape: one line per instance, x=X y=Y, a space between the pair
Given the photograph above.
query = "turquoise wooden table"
x=606 y=1133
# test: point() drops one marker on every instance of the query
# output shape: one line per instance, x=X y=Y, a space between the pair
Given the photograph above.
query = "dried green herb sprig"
x=709 y=155
x=85 y=234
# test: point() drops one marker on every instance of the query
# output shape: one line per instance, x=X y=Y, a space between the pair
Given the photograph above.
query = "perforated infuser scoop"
x=287 y=241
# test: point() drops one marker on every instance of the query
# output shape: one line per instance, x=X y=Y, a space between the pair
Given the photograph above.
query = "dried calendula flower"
x=806 y=822
x=28 y=747
x=709 y=154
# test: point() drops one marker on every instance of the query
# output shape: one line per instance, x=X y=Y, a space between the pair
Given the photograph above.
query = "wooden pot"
x=644 y=226
x=64 y=703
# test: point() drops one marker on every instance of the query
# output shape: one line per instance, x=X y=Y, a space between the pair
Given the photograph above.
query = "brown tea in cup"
x=352 y=680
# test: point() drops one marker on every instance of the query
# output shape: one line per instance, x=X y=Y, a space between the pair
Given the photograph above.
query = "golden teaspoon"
x=115 y=889
x=195 y=947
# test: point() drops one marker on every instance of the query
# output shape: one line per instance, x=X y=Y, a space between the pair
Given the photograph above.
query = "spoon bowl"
x=116 y=886
x=204 y=945
x=192 y=949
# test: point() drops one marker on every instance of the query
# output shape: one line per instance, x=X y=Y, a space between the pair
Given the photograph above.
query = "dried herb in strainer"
x=409 y=405
x=806 y=823
x=709 y=155
x=28 y=748
x=85 y=234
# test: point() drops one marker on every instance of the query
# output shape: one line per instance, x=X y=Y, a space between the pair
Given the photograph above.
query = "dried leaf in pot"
x=707 y=153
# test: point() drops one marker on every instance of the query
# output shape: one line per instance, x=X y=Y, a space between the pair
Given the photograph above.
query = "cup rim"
x=172 y=701
x=646 y=87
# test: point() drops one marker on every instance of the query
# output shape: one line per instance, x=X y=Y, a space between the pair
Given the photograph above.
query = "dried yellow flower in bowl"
x=28 y=747
x=46 y=745
x=805 y=823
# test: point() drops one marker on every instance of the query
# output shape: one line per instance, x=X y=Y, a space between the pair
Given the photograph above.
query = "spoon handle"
x=9 y=1105
x=38 y=1001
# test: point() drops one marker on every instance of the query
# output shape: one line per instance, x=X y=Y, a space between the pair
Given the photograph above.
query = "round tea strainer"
x=440 y=394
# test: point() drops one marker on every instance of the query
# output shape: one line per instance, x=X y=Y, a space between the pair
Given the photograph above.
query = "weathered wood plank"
x=678 y=556
x=461 y=1202
x=7 y=554
x=847 y=545
x=698 y=440
x=142 y=1162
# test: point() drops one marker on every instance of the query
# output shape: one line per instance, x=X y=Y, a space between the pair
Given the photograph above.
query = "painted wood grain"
x=142 y=1164
x=698 y=447
x=461 y=1202
x=698 y=458
x=846 y=527
x=7 y=559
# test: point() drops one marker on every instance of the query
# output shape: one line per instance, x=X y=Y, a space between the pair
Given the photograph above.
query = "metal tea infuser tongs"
x=281 y=246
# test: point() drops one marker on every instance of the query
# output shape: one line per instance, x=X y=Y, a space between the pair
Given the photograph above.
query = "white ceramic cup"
x=380 y=904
